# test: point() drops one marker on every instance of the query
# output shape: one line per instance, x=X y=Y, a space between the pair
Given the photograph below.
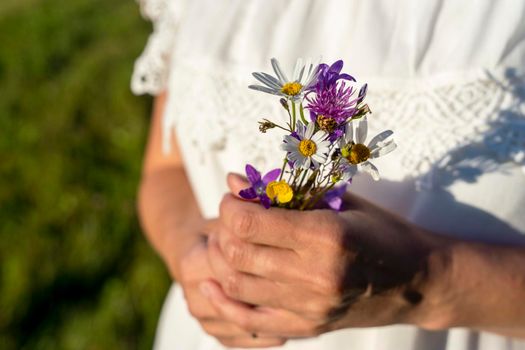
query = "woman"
x=446 y=76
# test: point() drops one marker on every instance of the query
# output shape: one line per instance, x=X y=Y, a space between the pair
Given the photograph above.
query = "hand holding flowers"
x=294 y=273
x=310 y=272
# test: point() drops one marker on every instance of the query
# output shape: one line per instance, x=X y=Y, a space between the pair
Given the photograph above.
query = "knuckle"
x=331 y=285
x=318 y=310
x=332 y=235
x=246 y=324
x=243 y=223
x=334 y=225
x=232 y=285
x=235 y=254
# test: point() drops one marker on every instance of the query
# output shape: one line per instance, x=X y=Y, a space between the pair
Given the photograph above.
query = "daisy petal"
x=295 y=157
x=381 y=151
x=349 y=133
x=318 y=158
x=371 y=169
x=265 y=89
x=288 y=147
x=304 y=162
x=300 y=77
x=300 y=129
x=361 y=130
x=319 y=137
x=379 y=138
x=309 y=131
x=349 y=172
x=291 y=139
x=298 y=66
x=278 y=71
x=267 y=80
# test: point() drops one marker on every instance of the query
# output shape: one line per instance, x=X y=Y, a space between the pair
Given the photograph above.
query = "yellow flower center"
x=358 y=153
x=280 y=190
x=291 y=89
x=326 y=123
x=307 y=148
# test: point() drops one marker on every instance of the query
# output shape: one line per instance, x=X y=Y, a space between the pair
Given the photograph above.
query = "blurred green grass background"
x=76 y=272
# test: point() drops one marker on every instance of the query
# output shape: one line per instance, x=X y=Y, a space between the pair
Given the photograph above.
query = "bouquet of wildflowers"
x=324 y=141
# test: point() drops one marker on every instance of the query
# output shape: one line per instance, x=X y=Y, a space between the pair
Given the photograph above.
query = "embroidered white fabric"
x=151 y=69
x=449 y=113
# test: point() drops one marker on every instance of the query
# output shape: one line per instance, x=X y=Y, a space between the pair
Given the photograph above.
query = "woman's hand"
x=192 y=269
x=317 y=271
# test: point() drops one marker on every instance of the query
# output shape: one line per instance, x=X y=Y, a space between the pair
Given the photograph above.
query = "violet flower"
x=332 y=107
x=328 y=76
x=334 y=197
x=258 y=185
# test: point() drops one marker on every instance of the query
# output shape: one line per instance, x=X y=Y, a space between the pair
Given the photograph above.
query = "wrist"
x=476 y=285
x=176 y=244
x=427 y=298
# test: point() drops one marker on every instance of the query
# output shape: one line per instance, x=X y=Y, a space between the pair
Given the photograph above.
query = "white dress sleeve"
x=151 y=69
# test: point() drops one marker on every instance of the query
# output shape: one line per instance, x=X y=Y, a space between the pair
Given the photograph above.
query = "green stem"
x=302 y=179
x=282 y=169
x=281 y=127
x=289 y=117
x=317 y=197
x=301 y=113
x=307 y=187
x=294 y=116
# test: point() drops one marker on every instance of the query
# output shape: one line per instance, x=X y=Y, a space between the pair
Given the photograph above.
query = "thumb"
x=236 y=183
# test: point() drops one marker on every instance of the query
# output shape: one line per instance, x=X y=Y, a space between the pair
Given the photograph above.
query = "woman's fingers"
x=231 y=334
x=240 y=286
x=257 y=320
x=253 y=223
x=264 y=261
x=236 y=183
x=248 y=342
x=223 y=329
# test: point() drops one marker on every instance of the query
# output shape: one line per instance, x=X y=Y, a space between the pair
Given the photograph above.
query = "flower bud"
x=284 y=103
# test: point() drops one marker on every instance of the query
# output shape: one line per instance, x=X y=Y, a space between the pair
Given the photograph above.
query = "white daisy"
x=304 y=76
x=310 y=148
x=356 y=155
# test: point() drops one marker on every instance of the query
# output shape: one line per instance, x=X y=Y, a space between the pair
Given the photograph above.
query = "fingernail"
x=237 y=177
x=205 y=289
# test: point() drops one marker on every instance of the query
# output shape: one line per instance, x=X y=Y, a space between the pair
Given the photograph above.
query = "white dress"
x=446 y=75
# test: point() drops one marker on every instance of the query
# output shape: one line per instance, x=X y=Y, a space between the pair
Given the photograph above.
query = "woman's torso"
x=446 y=76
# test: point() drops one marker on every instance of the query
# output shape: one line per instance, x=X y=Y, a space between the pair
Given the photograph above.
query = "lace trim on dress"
x=151 y=69
x=455 y=130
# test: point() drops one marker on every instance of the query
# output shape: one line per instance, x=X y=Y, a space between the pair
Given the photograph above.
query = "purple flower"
x=258 y=185
x=328 y=76
x=334 y=197
x=333 y=105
